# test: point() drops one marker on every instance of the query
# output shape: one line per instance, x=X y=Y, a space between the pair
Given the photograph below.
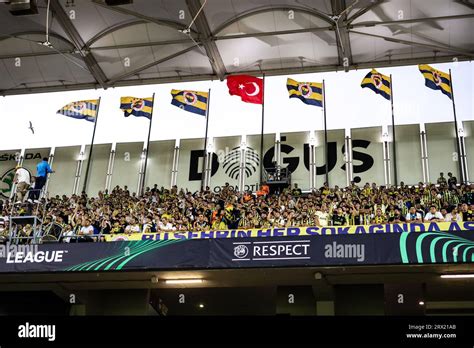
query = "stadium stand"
x=168 y=210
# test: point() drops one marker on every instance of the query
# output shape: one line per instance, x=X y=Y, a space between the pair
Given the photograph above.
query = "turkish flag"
x=249 y=88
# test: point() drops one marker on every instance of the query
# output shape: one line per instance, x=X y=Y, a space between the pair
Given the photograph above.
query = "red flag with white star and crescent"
x=249 y=88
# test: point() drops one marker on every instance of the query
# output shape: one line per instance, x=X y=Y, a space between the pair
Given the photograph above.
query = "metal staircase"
x=27 y=214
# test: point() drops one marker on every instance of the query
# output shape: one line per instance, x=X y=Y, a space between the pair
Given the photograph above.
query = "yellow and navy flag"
x=191 y=101
x=137 y=106
x=83 y=109
x=436 y=79
x=310 y=93
x=378 y=83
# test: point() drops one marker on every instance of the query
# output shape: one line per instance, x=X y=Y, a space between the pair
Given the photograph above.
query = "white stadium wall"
x=368 y=162
x=408 y=147
x=190 y=164
x=367 y=159
x=31 y=157
x=294 y=154
x=337 y=175
x=160 y=161
x=226 y=161
x=98 y=168
x=65 y=164
x=442 y=154
x=253 y=141
x=469 y=145
x=127 y=165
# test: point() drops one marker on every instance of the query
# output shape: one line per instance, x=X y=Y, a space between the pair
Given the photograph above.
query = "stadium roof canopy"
x=94 y=45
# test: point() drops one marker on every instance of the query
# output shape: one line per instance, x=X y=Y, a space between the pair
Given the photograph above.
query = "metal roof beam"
x=268 y=72
x=36 y=54
x=440 y=48
x=200 y=21
x=113 y=47
x=365 y=65
x=466 y=3
x=342 y=33
x=79 y=43
x=272 y=33
x=232 y=36
x=19 y=35
x=143 y=44
x=412 y=20
x=364 y=10
x=113 y=28
x=159 y=21
x=147 y=66
x=350 y=26
x=271 y=8
x=99 y=48
x=82 y=86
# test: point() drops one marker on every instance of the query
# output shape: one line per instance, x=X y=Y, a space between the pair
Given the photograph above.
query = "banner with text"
x=328 y=250
x=299 y=231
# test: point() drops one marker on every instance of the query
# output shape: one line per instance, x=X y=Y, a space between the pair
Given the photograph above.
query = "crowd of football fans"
x=167 y=210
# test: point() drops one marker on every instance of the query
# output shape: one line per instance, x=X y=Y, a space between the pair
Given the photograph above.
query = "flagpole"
x=326 y=150
x=261 y=131
x=147 y=145
x=393 y=135
x=458 y=146
x=91 y=147
x=205 y=140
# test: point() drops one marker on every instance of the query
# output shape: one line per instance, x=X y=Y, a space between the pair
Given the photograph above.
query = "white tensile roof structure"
x=93 y=45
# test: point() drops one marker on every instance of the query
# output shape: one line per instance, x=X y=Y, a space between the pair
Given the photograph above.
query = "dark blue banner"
x=330 y=250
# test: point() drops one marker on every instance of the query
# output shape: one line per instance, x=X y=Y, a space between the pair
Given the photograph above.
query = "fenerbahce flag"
x=436 y=79
x=136 y=106
x=249 y=88
x=378 y=83
x=83 y=109
x=192 y=101
x=310 y=93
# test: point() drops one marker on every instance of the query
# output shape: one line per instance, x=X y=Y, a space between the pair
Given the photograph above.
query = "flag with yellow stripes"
x=192 y=101
x=137 y=106
x=310 y=93
x=83 y=109
x=436 y=79
x=378 y=83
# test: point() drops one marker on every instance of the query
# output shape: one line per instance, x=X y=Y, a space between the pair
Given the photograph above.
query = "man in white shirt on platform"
x=23 y=181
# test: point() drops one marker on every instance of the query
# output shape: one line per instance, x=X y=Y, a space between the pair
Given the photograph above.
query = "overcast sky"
x=348 y=106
